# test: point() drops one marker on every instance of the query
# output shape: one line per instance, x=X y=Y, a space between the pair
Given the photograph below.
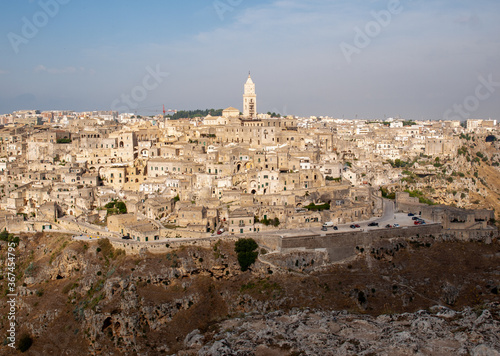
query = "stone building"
x=157 y=208
x=441 y=147
x=117 y=223
x=241 y=221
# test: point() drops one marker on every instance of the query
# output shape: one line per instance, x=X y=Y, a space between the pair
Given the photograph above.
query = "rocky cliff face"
x=89 y=298
x=440 y=331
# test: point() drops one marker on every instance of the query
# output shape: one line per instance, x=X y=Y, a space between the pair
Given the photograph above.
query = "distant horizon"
x=306 y=116
x=413 y=59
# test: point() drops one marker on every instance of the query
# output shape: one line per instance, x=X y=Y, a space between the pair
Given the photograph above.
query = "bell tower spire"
x=249 y=99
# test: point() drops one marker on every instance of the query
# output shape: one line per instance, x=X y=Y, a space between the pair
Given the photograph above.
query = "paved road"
x=388 y=212
x=388 y=217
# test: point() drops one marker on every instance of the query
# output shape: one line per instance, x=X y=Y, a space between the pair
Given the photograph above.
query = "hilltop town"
x=150 y=178
x=126 y=227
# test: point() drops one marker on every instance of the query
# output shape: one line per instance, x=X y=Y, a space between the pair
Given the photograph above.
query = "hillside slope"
x=86 y=298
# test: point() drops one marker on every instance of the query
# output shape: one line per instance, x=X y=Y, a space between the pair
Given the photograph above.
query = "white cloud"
x=66 y=70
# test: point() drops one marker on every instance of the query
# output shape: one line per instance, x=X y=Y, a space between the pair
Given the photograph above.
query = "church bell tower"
x=249 y=100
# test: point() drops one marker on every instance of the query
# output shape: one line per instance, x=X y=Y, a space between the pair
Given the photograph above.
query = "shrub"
x=386 y=194
x=63 y=140
x=5 y=236
x=420 y=195
x=25 y=343
x=399 y=163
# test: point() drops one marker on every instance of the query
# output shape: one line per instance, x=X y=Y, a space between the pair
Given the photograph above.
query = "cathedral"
x=249 y=100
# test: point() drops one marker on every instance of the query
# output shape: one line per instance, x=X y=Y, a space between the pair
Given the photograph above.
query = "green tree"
x=116 y=207
x=122 y=208
x=247 y=254
x=188 y=114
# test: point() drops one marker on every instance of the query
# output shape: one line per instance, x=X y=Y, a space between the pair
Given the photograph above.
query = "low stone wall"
x=183 y=233
x=84 y=228
x=167 y=245
x=271 y=243
x=342 y=245
x=134 y=247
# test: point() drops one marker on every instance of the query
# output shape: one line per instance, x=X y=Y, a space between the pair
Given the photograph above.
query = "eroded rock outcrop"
x=438 y=332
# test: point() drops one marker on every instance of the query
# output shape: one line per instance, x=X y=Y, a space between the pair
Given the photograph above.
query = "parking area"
x=399 y=220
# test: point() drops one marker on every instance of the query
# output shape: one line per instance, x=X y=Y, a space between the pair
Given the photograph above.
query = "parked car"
x=373 y=224
x=357 y=225
x=411 y=214
x=353 y=226
x=417 y=222
x=395 y=225
x=323 y=228
x=220 y=231
x=388 y=225
x=415 y=218
x=335 y=228
x=126 y=237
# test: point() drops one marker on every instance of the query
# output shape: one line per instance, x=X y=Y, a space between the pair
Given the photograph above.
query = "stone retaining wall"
x=84 y=228
x=134 y=247
x=342 y=245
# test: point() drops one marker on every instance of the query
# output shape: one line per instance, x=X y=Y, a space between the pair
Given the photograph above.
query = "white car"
x=395 y=225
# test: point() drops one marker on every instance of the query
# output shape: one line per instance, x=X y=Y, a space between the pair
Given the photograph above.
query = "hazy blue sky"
x=305 y=59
